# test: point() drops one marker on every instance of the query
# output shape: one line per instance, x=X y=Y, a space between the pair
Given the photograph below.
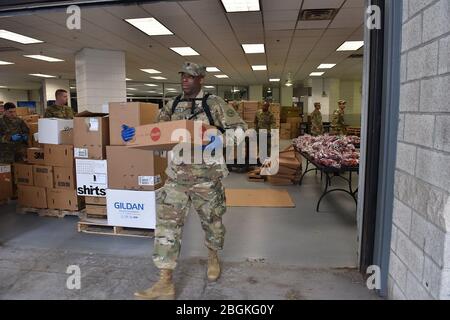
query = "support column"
x=286 y=96
x=255 y=93
x=100 y=76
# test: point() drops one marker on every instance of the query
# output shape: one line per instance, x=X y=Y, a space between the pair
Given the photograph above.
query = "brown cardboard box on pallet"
x=36 y=156
x=295 y=126
x=90 y=135
x=95 y=200
x=43 y=176
x=99 y=210
x=64 y=178
x=6 y=182
x=132 y=114
x=158 y=136
x=135 y=169
x=59 y=155
x=28 y=119
x=32 y=197
x=64 y=200
x=22 y=111
x=23 y=174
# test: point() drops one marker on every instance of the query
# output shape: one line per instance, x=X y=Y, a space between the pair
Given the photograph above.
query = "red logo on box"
x=155 y=134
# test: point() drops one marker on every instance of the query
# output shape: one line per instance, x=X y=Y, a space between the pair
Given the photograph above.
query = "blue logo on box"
x=129 y=206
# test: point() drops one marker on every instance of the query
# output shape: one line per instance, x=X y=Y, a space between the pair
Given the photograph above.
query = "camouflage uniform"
x=61 y=112
x=11 y=151
x=264 y=120
x=337 y=123
x=316 y=123
x=199 y=184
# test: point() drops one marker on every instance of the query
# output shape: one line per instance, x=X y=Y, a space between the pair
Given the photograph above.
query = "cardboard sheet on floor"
x=262 y=198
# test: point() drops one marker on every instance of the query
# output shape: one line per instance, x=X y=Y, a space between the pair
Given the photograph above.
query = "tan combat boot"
x=213 y=265
x=164 y=289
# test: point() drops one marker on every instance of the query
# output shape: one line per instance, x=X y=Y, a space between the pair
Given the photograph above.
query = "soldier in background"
x=197 y=184
x=13 y=136
x=338 y=126
x=60 y=109
x=316 y=121
x=264 y=119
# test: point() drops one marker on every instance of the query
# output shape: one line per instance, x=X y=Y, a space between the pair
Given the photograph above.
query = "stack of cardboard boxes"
x=249 y=109
x=294 y=124
x=6 y=182
x=47 y=179
x=275 y=108
x=290 y=168
x=119 y=183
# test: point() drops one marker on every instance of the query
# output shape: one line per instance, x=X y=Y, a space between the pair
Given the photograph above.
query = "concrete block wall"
x=420 y=247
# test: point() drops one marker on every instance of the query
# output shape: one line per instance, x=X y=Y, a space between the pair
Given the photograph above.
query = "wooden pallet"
x=87 y=216
x=47 y=212
x=101 y=227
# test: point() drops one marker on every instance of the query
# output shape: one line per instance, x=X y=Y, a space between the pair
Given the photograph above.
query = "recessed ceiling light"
x=44 y=58
x=150 y=26
x=316 y=74
x=185 y=51
x=130 y=94
x=2 y=87
x=159 y=78
x=326 y=66
x=259 y=67
x=351 y=46
x=126 y=79
x=275 y=80
x=42 y=75
x=4 y=63
x=221 y=76
x=209 y=87
x=72 y=88
x=132 y=89
x=171 y=89
x=151 y=71
x=151 y=85
x=8 y=35
x=212 y=69
x=253 y=48
x=241 y=5
x=151 y=91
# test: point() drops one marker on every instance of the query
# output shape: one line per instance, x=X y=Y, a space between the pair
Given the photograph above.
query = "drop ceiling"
x=291 y=46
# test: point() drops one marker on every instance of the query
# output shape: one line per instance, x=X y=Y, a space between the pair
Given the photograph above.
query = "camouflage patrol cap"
x=193 y=69
x=342 y=102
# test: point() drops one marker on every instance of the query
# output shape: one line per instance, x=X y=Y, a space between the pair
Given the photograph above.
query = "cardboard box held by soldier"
x=132 y=114
x=163 y=135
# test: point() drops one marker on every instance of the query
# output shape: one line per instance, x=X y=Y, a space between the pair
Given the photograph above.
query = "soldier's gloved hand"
x=213 y=144
x=16 y=137
x=127 y=133
x=24 y=138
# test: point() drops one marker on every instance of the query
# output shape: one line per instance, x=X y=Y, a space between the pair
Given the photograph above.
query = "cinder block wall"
x=420 y=248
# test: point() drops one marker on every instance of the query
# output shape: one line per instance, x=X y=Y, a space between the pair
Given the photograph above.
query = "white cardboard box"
x=92 y=177
x=134 y=209
x=50 y=129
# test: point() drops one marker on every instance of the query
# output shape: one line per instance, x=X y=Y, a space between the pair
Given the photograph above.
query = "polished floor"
x=296 y=240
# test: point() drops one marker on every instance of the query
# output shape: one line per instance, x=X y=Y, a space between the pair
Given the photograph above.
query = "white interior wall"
x=13 y=95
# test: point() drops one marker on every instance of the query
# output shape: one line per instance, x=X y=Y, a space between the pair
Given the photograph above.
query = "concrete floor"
x=269 y=254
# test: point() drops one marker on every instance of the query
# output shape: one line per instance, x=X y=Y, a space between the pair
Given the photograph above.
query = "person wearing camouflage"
x=13 y=135
x=338 y=126
x=316 y=120
x=265 y=120
x=60 y=109
x=190 y=183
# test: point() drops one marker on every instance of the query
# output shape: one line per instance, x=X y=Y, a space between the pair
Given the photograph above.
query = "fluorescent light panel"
x=185 y=51
x=42 y=75
x=241 y=5
x=127 y=79
x=4 y=63
x=275 y=80
x=159 y=78
x=150 y=26
x=253 y=48
x=209 y=87
x=316 y=74
x=132 y=89
x=351 y=46
x=221 y=76
x=151 y=71
x=12 y=36
x=326 y=66
x=43 y=58
x=259 y=67
x=151 y=85
x=212 y=69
